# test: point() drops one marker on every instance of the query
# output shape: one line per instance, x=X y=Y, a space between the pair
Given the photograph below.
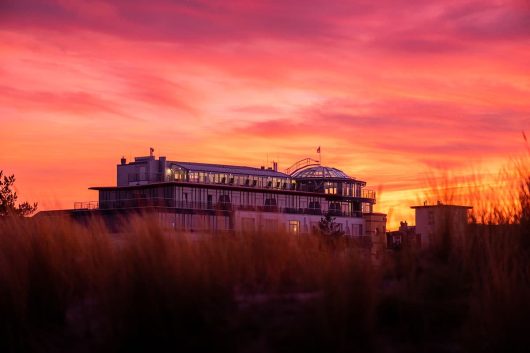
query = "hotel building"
x=225 y=198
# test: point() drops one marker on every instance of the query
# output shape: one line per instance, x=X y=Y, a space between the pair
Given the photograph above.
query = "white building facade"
x=223 y=198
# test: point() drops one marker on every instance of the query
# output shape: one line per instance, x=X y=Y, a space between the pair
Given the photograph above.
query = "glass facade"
x=179 y=174
x=313 y=190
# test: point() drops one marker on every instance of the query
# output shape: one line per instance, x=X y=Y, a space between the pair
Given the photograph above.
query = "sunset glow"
x=392 y=91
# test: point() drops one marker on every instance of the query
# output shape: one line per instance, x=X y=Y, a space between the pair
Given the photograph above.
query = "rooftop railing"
x=253 y=183
x=144 y=203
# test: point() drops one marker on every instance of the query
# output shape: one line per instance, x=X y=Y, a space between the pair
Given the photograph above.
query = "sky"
x=395 y=92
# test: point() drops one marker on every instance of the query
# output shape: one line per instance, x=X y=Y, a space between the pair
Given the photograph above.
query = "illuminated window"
x=294 y=227
x=331 y=188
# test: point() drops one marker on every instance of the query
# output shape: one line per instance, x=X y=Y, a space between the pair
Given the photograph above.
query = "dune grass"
x=64 y=286
x=68 y=287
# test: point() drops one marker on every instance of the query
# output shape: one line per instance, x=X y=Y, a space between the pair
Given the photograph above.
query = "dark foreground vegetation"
x=71 y=288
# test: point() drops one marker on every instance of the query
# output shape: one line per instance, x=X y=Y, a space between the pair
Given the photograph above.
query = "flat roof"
x=442 y=205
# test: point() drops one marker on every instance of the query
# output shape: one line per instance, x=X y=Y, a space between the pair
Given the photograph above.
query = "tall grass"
x=64 y=286
x=69 y=287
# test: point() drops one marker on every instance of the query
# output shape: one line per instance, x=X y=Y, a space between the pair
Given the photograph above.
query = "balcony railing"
x=90 y=205
x=140 y=203
x=368 y=194
x=253 y=183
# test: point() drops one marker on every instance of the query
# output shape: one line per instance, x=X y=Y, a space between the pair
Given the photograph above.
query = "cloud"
x=423 y=26
x=178 y=20
x=486 y=22
x=158 y=91
x=451 y=136
x=387 y=88
x=257 y=109
x=77 y=102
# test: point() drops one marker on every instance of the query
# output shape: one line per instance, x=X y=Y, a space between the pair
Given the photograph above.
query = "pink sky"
x=392 y=90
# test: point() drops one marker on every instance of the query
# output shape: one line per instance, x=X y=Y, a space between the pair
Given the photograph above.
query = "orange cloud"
x=389 y=90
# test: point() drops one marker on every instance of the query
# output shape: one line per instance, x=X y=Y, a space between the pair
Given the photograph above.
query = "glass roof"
x=320 y=172
x=229 y=169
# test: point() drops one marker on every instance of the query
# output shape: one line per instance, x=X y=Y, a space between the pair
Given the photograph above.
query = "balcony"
x=140 y=203
x=89 y=205
x=368 y=194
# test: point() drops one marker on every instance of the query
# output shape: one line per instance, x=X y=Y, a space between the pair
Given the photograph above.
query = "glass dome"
x=320 y=172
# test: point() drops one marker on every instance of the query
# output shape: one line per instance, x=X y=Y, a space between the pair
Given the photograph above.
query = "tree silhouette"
x=328 y=227
x=8 y=199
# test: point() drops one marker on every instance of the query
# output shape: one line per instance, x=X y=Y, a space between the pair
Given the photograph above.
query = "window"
x=331 y=188
x=294 y=227
x=346 y=189
x=224 y=202
x=193 y=177
x=224 y=199
x=314 y=205
x=334 y=208
x=270 y=204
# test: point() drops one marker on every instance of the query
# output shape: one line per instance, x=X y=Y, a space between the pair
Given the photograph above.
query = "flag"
x=151 y=151
x=524 y=136
x=318 y=149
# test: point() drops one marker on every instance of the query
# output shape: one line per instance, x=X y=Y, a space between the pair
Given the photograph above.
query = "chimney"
x=162 y=164
x=275 y=166
x=123 y=160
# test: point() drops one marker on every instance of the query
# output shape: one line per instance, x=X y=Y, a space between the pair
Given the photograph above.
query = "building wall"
x=144 y=170
x=434 y=222
x=195 y=222
x=375 y=223
x=282 y=222
x=250 y=221
x=376 y=230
